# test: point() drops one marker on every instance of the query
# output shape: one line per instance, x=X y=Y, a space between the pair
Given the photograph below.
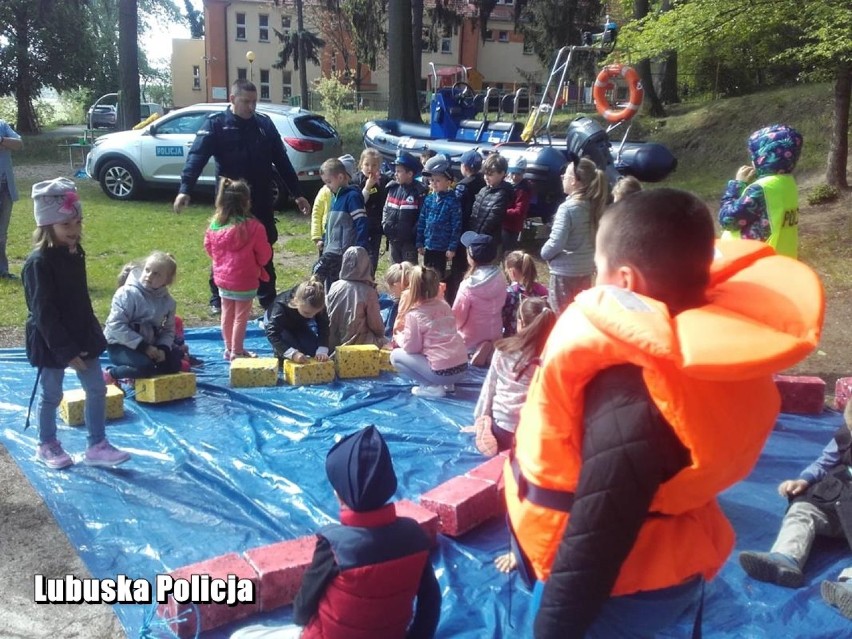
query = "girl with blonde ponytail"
x=570 y=249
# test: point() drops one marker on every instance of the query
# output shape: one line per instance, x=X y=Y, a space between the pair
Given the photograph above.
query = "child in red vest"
x=370 y=571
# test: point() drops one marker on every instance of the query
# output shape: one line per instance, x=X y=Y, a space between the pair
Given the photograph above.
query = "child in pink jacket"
x=429 y=350
x=238 y=246
x=479 y=303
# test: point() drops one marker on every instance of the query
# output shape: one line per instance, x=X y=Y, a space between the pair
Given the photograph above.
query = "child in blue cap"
x=402 y=208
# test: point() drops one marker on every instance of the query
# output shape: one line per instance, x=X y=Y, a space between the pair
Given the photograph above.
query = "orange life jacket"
x=708 y=370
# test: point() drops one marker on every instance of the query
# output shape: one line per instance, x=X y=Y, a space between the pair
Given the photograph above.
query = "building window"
x=489 y=35
x=285 y=24
x=446 y=45
x=264 y=84
x=196 y=78
x=424 y=39
x=286 y=85
x=241 y=26
x=503 y=36
x=242 y=73
x=263 y=28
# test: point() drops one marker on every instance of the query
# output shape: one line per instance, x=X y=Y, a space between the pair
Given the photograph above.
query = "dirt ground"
x=33 y=543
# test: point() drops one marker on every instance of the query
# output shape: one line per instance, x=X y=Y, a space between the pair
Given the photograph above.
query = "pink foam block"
x=842 y=392
x=211 y=615
x=492 y=471
x=280 y=567
x=462 y=503
x=427 y=519
x=804 y=395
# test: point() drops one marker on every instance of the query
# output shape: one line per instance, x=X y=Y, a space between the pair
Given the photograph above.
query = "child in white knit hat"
x=62 y=330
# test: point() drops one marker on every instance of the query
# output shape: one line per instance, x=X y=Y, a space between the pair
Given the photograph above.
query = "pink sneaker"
x=241 y=354
x=54 y=456
x=109 y=379
x=105 y=454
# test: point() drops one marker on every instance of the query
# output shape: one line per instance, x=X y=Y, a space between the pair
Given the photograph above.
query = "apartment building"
x=240 y=42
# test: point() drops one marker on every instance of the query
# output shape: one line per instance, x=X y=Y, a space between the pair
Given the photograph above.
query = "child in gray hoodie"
x=140 y=329
x=353 y=303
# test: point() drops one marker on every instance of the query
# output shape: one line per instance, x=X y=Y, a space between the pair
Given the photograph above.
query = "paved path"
x=31 y=542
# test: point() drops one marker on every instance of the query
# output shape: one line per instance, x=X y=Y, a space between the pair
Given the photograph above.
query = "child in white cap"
x=62 y=330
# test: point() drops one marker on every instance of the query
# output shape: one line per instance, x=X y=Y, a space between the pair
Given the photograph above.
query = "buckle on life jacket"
x=561 y=500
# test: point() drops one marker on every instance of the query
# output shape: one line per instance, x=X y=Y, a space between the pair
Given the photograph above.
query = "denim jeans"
x=415 y=366
x=128 y=363
x=667 y=612
x=50 y=384
x=5 y=217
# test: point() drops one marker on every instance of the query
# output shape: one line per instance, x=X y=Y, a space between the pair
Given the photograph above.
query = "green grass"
x=117 y=232
x=708 y=139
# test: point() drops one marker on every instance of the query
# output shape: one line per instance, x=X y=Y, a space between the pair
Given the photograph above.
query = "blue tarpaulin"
x=234 y=469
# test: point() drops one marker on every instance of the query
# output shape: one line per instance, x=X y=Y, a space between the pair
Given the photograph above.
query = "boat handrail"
x=559 y=69
x=486 y=104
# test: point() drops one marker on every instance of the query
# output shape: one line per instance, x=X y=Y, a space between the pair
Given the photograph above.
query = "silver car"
x=126 y=163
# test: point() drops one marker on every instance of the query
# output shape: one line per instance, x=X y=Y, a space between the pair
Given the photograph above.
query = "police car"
x=126 y=163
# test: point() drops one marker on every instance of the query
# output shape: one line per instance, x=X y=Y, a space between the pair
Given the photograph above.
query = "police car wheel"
x=279 y=193
x=120 y=180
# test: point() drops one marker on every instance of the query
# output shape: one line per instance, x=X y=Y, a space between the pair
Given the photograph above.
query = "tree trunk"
x=128 y=64
x=417 y=40
x=839 y=148
x=26 y=121
x=668 y=86
x=303 y=69
x=402 y=92
x=655 y=107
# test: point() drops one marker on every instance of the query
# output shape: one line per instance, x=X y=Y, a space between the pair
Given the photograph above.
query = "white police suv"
x=126 y=163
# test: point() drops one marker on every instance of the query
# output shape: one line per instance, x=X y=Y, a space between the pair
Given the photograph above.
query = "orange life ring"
x=603 y=84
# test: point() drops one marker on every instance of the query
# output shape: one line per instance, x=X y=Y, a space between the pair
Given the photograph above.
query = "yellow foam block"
x=357 y=361
x=249 y=372
x=312 y=372
x=165 y=388
x=72 y=409
x=384 y=361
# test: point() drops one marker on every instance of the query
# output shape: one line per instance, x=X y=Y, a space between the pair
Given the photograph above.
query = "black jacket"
x=402 y=210
x=282 y=317
x=628 y=451
x=61 y=323
x=244 y=149
x=466 y=191
x=374 y=203
x=833 y=493
x=489 y=209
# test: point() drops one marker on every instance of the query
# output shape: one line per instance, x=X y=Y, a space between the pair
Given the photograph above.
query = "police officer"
x=245 y=145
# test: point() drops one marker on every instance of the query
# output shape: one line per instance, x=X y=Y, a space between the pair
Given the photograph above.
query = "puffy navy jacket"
x=402 y=209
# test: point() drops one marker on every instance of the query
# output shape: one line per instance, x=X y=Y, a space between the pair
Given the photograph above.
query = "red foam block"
x=801 y=394
x=462 y=503
x=211 y=615
x=492 y=471
x=280 y=567
x=842 y=392
x=427 y=519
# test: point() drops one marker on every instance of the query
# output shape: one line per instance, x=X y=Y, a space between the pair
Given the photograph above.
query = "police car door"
x=165 y=149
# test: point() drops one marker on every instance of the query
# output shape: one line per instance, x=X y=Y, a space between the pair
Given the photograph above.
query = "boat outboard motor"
x=587 y=138
x=647 y=161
